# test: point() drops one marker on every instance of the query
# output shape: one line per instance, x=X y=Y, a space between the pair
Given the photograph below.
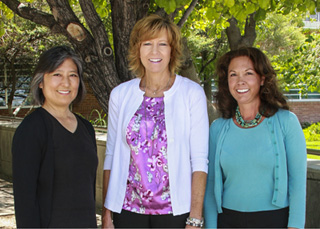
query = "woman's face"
x=244 y=82
x=60 y=87
x=155 y=54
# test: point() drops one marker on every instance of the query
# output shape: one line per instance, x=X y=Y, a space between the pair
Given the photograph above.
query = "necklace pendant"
x=154 y=92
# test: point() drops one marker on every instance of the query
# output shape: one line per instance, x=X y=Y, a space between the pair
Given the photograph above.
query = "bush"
x=312 y=133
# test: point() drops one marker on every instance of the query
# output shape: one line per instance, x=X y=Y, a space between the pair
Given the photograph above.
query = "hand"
x=106 y=219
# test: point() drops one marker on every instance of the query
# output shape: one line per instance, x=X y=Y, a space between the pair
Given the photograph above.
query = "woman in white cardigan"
x=157 y=146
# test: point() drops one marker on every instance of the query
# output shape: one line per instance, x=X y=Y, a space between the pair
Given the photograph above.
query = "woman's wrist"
x=195 y=222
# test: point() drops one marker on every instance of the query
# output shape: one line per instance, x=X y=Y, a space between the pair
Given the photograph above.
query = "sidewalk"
x=7 y=218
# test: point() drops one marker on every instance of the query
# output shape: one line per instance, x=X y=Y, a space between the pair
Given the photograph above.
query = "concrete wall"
x=7 y=129
x=313 y=194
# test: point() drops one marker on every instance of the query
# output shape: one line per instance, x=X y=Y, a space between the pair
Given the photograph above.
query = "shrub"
x=312 y=133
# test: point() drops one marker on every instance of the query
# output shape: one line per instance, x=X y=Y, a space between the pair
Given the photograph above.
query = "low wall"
x=7 y=129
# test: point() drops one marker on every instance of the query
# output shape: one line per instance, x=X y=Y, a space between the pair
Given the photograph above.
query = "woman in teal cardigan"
x=257 y=150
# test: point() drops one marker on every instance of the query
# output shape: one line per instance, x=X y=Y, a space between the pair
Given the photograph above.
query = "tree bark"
x=234 y=34
x=188 y=70
x=124 y=16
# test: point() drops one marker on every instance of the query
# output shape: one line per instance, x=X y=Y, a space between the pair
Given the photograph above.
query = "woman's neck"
x=58 y=112
x=155 y=85
x=249 y=111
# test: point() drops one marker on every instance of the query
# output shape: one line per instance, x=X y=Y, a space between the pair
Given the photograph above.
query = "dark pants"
x=261 y=219
x=127 y=219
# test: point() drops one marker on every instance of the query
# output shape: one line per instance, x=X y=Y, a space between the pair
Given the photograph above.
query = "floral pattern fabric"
x=148 y=189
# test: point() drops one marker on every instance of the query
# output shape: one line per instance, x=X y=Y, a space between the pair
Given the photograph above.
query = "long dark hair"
x=270 y=95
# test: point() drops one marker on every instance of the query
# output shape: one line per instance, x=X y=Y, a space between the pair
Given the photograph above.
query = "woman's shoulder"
x=286 y=115
x=186 y=82
x=33 y=123
x=85 y=122
x=218 y=124
x=36 y=117
x=126 y=85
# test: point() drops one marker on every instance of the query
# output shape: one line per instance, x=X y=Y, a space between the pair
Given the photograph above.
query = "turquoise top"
x=257 y=169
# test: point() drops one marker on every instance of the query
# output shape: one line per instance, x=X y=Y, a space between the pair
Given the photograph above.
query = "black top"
x=54 y=173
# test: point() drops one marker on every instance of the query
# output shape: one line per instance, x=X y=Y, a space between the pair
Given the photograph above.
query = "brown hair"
x=148 y=28
x=270 y=95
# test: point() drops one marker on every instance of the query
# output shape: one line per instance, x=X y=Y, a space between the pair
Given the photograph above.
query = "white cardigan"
x=187 y=129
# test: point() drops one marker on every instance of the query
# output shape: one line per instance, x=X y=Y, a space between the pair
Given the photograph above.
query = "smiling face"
x=155 y=54
x=244 y=82
x=60 y=87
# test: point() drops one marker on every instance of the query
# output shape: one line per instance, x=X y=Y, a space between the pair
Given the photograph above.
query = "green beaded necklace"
x=247 y=124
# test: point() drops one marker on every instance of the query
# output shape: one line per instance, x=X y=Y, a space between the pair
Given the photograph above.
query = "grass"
x=311 y=156
x=313 y=145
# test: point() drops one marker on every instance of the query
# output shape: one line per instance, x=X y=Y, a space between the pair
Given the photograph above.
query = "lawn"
x=313 y=145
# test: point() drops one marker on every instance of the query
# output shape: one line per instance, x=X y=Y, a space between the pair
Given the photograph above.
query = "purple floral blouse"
x=148 y=189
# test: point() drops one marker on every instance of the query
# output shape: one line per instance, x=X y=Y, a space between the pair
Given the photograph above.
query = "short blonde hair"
x=149 y=28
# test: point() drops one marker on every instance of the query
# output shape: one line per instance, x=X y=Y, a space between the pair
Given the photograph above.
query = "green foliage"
x=280 y=34
x=302 y=68
x=100 y=120
x=21 y=43
x=312 y=133
x=171 y=5
x=294 y=53
x=203 y=49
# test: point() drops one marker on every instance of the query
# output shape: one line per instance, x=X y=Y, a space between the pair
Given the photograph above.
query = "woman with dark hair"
x=156 y=158
x=257 y=150
x=54 y=150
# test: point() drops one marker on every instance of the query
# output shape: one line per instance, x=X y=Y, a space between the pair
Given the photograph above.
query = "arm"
x=27 y=146
x=197 y=194
x=199 y=152
x=297 y=167
x=106 y=213
x=111 y=139
x=210 y=206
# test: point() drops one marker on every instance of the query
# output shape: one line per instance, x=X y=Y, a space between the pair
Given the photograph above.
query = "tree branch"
x=95 y=24
x=33 y=14
x=219 y=43
x=233 y=33
x=250 y=30
x=187 y=13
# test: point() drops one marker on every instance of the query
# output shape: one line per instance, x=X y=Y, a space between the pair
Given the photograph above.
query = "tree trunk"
x=207 y=86
x=124 y=16
x=234 y=34
x=188 y=70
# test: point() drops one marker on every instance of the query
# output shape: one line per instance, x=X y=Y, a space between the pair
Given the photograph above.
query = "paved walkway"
x=7 y=218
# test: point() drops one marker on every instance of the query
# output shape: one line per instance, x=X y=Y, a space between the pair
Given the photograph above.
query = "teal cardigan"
x=289 y=174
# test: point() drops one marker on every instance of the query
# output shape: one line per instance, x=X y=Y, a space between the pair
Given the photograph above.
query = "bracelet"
x=194 y=222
